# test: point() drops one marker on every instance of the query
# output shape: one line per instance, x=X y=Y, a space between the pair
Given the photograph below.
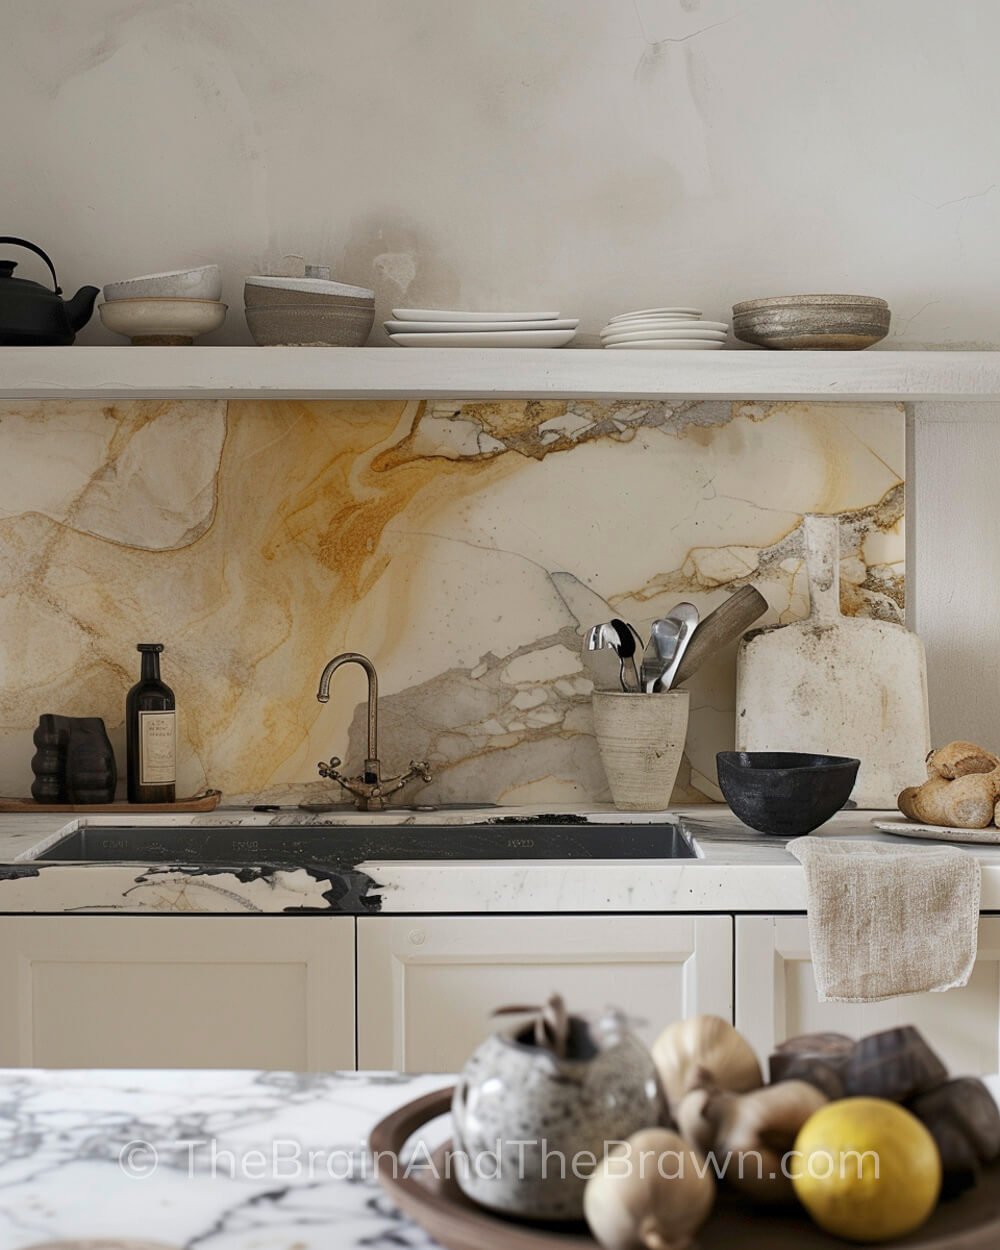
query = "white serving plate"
x=637 y=336
x=495 y=338
x=664 y=323
x=444 y=314
x=939 y=833
x=665 y=345
x=203 y=283
x=658 y=312
x=318 y=286
x=477 y=327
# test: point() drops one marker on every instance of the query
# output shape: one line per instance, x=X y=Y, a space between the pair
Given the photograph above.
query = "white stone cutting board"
x=837 y=685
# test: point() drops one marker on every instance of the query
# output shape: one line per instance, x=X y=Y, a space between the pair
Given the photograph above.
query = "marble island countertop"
x=214 y=1159
x=735 y=870
x=211 y=1159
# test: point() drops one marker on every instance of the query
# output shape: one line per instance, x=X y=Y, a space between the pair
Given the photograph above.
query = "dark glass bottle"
x=151 y=733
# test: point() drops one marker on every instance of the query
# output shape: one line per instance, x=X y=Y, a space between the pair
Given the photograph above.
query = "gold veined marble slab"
x=464 y=546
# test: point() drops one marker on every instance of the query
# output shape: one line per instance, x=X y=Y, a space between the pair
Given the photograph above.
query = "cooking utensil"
x=659 y=652
x=687 y=617
x=832 y=685
x=719 y=628
x=629 y=643
x=620 y=637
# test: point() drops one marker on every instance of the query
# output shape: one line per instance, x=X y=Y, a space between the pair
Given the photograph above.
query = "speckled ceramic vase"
x=641 y=740
x=524 y=1118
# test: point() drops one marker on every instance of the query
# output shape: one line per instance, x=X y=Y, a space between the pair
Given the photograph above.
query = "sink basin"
x=348 y=845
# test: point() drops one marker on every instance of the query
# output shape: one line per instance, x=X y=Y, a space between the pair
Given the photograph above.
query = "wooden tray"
x=972 y=1222
x=206 y=802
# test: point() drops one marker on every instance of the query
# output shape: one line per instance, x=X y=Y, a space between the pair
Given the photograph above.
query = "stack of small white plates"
x=664 y=329
x=434 y=327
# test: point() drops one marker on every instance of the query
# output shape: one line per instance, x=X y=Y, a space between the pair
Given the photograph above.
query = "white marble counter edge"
x=736 y=870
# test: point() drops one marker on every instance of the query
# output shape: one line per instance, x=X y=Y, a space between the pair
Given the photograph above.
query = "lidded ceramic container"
x=532 y=1101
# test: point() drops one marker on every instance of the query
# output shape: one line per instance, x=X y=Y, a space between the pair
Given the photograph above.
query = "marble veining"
x=464 y=546
x=130 y=1155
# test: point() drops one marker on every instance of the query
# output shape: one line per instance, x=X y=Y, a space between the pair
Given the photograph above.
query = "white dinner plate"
x=476 y=327
x=495 y=338
x=665 y=345
x=664 y=323
x=639 y=336
x=444 y=314
x=658 y=312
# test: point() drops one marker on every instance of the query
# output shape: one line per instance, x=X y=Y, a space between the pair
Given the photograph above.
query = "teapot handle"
x=38 y=252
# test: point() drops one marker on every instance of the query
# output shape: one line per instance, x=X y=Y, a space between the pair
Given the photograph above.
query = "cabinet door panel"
x=184 y=992
x=427 y=985
x=776 y=997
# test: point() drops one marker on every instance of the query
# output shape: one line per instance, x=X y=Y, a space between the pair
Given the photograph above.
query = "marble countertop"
x=130 y=1155
x=215 y=1160
x=735 y=870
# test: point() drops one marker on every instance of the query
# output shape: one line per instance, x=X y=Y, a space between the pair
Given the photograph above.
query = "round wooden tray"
x=972 y=1222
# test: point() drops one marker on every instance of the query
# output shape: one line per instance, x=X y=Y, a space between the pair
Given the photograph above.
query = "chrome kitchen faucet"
x=369 y=790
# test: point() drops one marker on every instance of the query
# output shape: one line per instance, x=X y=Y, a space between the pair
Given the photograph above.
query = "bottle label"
x=157 y=748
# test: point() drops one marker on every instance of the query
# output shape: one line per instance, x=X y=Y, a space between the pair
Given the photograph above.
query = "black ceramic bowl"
x=785 y=792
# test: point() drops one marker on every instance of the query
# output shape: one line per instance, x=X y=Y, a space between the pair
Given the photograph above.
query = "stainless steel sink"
x=348 y=845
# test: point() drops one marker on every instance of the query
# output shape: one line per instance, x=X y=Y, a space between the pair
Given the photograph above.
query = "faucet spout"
x=323 y=693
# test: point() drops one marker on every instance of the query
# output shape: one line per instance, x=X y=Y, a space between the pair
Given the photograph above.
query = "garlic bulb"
x=750 y=1134
x=652 y=1192
x=705 y=1051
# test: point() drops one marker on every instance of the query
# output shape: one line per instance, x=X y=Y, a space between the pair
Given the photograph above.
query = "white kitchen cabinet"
x=177 y=992
x=776 y=997
x=427 y=985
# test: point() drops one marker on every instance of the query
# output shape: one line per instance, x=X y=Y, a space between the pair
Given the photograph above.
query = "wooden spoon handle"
x=720 y=627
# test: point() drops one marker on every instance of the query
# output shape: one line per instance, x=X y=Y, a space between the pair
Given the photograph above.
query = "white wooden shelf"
x=408 y=373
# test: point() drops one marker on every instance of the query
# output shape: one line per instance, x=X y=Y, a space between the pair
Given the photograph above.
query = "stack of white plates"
x=664 y=329
x=434 y=327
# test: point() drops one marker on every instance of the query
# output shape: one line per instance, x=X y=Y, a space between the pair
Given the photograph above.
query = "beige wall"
x=591 y=155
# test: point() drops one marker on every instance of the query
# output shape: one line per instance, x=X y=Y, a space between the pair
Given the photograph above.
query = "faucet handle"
x=329 y=770
x=418 y=768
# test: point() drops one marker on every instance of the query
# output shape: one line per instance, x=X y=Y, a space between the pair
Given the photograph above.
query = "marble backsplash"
x=464 y=547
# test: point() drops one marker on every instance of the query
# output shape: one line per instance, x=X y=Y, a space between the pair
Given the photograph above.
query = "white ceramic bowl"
x=204 y=283
x=162 y=322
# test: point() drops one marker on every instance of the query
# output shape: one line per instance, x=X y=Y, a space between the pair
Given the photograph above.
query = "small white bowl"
x=204 y=283
x=162 y=322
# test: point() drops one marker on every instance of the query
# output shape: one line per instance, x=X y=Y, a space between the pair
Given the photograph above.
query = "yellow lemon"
x=866 y=1169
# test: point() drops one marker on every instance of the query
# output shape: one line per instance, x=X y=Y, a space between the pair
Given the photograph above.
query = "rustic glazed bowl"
x=522 y=1103
x=812 y=322
x=785 y=792
x=162 y=322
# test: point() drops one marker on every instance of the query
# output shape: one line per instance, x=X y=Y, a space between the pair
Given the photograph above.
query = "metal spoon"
x=687 y=616
x=630 y=644
x=619 y=637
x=656 y=659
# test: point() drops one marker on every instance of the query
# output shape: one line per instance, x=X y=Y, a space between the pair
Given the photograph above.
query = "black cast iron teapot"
x=33 y=316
